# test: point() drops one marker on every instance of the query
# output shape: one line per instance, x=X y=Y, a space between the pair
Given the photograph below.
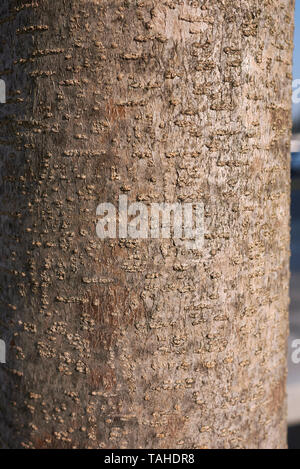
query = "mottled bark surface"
x=142 y=344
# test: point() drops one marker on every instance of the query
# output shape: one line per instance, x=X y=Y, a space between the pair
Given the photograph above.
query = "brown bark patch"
x=114 y=111
x=277 y=397
x=102 y=378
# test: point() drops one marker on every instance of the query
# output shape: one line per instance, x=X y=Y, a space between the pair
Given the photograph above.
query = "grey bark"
x=143 y=344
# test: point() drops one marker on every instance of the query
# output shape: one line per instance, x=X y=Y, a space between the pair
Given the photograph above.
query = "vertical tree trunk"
x=143 y=343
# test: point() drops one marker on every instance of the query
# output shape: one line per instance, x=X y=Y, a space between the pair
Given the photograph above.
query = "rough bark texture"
x=141 y=344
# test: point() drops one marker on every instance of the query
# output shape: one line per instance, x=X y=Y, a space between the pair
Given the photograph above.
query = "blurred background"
x=294 y=369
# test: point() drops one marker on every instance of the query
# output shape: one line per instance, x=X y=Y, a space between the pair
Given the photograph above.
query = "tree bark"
x=143 y=343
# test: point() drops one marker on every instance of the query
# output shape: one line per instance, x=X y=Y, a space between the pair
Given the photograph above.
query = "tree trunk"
x=124 y=343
